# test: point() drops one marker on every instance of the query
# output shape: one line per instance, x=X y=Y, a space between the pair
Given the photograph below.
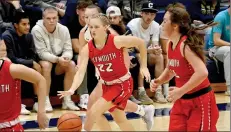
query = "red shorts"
x=118 y=94
x=197 y=114
x=16 y=128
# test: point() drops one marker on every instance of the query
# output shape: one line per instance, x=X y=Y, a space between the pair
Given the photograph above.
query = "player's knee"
x=91 y=101
x=93 y=114
x=120 y=120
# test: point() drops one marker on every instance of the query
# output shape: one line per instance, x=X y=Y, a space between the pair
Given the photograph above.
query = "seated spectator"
x=75 y=24
x=58 y=4
x=203 y=10
x=129 y=8
x=102 y=4
x=34 y=13
x=7 y=10
x=53 y=45
x=147 y=29
x=219 y=43
x=116 y=20
x=69 y=12
x=20 y=47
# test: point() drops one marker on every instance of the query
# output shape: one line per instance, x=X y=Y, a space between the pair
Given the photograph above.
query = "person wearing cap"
x=149 y=30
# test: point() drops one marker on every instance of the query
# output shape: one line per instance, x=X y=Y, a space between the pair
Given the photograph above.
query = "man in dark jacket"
x=20 y=46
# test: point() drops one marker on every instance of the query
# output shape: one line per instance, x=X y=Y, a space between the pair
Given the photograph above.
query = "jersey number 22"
x=105 y=67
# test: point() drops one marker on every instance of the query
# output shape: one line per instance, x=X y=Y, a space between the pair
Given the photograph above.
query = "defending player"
x=10 y=92
x=195 y=106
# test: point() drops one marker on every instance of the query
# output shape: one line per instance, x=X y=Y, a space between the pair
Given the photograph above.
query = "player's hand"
x=43 y=120
x=65 y=93
x=154 y=84
x=145 y=73
x=174 y=94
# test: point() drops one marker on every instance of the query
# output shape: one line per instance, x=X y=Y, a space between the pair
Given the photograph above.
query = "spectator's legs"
x=158 y=61
x=163 y=42
x=142 y=95
x=135 y=73
x=69 y=71
x=223 y=55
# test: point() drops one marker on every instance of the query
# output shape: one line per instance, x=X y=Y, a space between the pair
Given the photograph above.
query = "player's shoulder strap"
x=1 y=63
x=183 y=38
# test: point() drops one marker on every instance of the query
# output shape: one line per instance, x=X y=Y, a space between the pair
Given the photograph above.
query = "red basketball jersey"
x=109 y=60
x=181 y=67
x=10 y=94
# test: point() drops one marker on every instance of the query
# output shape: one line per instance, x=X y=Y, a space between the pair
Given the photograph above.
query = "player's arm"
x=200 y=70
x=131 y=41
x=21 y=72
x=78 y=79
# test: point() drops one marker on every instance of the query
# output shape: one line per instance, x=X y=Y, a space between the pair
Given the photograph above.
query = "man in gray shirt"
x=53 y=45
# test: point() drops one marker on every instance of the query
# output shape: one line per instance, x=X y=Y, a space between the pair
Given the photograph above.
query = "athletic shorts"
x=197 y=114
x=16 y=128
x=118 y=94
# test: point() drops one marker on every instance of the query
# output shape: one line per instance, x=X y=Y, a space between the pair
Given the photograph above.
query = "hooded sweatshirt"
x=20 y=49
x=50 y=46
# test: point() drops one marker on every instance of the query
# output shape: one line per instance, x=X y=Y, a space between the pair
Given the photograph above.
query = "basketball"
x=69 y=122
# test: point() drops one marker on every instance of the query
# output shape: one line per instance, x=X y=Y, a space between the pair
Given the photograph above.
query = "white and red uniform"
x=196 y=110
x=10 y=99
x=117 y=82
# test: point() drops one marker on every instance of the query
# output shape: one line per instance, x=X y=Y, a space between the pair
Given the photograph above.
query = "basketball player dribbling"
x=106 y=52
x=146 y=112
x=10 y=92
x=194 y=106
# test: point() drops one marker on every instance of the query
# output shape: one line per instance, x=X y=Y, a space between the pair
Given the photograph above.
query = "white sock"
x=67 y=98
x=166 y=87
x=140 y=110
x=141 y=89
x=47 y=98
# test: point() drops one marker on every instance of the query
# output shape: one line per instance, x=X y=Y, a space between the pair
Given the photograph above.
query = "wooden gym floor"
x=161 y=117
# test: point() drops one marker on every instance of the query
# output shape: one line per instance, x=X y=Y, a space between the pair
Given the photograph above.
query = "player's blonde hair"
x=103 y=18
